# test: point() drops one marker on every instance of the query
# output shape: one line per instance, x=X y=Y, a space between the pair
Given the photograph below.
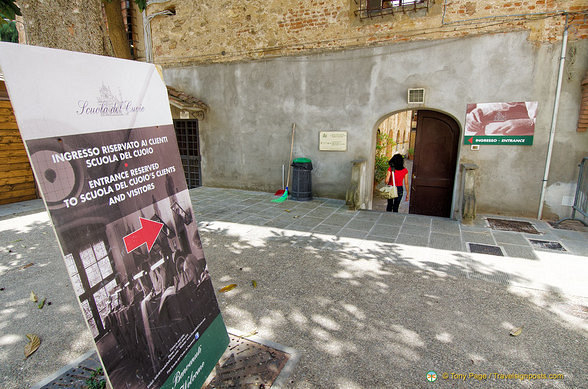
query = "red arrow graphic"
x=471 y=140
x=146 y=234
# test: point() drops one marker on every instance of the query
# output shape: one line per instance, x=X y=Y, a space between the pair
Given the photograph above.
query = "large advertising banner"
x=102 y=145
x=500 y=123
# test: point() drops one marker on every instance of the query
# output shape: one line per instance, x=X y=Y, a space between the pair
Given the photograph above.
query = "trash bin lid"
x=302 y=164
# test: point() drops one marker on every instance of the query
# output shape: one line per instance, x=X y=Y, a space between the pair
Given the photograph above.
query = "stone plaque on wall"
x=333 y=141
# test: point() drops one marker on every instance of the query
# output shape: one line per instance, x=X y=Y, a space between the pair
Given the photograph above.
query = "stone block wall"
x=214 y=31
x=397 y=128
x=74 y=25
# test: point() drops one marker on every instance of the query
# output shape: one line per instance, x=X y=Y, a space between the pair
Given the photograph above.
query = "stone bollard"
x=468 y=195
x=357 y=193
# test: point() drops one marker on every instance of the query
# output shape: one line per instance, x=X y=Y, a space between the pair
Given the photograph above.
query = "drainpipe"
x=562 y=61
x=147 y=37
x=147 y=28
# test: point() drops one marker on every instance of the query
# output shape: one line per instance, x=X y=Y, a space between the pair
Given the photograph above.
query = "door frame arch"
x=374 y=132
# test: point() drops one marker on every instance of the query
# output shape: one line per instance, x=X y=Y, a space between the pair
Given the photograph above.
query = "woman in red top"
x=400 y=176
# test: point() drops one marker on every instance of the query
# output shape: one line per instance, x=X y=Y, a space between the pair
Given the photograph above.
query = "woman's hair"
x=396 y=162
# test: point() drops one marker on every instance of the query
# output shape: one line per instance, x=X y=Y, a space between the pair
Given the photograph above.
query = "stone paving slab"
x=363 y=313
x=331 y=216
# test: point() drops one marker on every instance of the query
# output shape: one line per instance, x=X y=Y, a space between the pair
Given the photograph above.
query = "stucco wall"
x=570 y=146
x=518 y=172
x=246 y=135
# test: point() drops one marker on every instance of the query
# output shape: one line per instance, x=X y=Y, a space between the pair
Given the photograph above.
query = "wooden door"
x=435 y=159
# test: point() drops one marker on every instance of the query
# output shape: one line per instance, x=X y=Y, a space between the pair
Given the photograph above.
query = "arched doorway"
x=395 y=135
x=434 y=142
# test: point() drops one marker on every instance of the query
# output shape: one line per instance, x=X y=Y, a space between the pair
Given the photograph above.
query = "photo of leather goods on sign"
x=105 y=156
x=500 y=123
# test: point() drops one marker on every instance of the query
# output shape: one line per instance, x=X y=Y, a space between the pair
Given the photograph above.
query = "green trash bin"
x=301 y=189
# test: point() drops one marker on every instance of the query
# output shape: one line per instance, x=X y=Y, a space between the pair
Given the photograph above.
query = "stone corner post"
x=468 y=194
x=358 y=190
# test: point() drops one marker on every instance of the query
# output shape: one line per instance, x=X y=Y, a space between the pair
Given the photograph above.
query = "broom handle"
x=291 y=147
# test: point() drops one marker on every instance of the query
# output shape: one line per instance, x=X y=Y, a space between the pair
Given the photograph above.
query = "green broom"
x=282 y=198
x=284 y=195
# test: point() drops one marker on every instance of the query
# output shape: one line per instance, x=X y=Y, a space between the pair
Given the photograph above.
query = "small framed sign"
x=333 y=141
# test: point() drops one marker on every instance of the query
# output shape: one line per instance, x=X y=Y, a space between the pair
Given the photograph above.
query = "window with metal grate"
x=373 y=8
x=189 y=147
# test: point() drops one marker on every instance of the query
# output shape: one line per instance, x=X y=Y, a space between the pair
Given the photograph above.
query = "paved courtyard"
x=367 y=299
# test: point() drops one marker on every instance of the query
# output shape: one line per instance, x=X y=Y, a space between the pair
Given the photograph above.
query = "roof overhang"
x=185 y=102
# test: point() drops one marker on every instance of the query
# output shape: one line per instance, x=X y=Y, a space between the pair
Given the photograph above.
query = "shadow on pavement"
x=360 y=315
x=371 y=319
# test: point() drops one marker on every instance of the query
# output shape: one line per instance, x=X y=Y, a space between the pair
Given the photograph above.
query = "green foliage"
x=94 y=382
x=142 y=4
x=8 y=32
x=383 y=142
x=8 y=11
x=381 y=167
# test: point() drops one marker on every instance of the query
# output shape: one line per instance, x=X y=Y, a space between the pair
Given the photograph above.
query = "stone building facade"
x=212 y=31
x=395 y=134
x=343 y=66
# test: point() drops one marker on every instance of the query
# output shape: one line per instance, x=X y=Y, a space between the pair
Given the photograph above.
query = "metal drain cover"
x=248 y=364
x=74 y=376
x=245 y=364
x=485 y=249
x=547 y=245
x=512 y=225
